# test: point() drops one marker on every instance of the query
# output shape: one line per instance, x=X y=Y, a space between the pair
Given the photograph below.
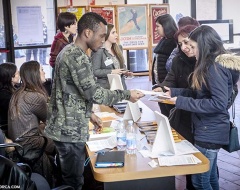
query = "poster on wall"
x=30 y=25
x=132 y=26
x=78 y=11
x=91 y=2
x=156 y=11
x=107 y=12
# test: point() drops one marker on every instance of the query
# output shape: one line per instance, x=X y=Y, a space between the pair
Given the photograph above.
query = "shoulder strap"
x=233 y=112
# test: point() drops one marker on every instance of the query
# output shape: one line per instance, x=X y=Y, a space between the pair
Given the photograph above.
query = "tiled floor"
x=228 y=163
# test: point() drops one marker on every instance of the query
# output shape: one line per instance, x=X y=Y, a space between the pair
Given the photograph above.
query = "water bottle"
x=131 y=138
x=121 y=136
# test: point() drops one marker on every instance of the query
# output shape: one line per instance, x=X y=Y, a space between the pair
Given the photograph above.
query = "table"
x=137 y=174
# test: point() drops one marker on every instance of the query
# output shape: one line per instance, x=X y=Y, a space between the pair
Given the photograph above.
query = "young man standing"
x=73 y=93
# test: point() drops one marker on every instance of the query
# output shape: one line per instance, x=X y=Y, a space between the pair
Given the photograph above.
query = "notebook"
x=110 y=159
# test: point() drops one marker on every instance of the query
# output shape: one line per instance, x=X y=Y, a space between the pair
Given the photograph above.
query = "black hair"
x=65 y=19
x=90 y=21
x=168 y=24
x=187 y=20
x=209 y=45
x=7 y=72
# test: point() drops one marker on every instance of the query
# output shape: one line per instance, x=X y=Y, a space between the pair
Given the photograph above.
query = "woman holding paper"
x=109 y=60
x=182 y=66
x=208 y=99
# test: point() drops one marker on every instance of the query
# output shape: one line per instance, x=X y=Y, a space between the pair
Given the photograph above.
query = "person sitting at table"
x=109 y=60
x=27 y=108
x=9 y=77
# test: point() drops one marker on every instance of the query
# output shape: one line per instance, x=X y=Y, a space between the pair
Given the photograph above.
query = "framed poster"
x=107 y=12
x=132 y=26
x=78 y=11
x=156 y=11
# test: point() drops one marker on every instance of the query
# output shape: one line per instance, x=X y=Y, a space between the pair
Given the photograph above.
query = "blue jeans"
x=29 y=54
x=209 y=179
x=72 y=158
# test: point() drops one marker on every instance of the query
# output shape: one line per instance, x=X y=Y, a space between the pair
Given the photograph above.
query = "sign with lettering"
x=107 y=12
x=156 y=11
x=78 y=11
x=132 y=26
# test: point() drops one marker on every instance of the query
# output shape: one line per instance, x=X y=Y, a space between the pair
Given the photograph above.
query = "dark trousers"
x=29 y=54
x=165 y=108
x=72 y=158
x=42 y=56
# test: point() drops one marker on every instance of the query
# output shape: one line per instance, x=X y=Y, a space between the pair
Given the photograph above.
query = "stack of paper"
x=96 y=145
x=178 y=160
x=107 y=116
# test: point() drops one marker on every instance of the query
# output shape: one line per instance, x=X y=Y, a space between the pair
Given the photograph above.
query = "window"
x=206 y=10
x=37 y=16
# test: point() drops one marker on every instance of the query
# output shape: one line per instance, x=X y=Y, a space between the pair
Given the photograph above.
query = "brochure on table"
x=164 y=144
x=115 y=82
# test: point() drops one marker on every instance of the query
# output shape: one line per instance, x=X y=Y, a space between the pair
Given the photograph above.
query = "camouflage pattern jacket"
x=73 y=93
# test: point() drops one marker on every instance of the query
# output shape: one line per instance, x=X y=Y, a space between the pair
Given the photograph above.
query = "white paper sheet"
x=96 y=145
x=178 y=160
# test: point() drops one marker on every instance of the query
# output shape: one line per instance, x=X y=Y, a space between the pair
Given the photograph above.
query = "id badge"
x=108 y=61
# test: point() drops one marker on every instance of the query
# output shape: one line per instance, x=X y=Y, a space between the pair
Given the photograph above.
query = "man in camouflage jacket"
x=73 y=93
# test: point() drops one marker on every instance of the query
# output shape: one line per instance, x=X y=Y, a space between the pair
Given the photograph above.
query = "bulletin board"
x=132 y=26
x=107 y=12
x=78 y=10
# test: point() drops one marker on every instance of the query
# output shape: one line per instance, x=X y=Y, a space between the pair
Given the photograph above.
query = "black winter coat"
x=178 y=77
x=162 y=51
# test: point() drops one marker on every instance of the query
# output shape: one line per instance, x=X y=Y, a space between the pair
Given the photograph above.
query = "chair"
x=12 y=173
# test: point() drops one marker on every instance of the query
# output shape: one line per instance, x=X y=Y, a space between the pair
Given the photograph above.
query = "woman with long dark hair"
x=182 y=67
x=28 y=105
x=9 y=77
x=166 y=28
x=109 y=60
x=209 y=99
x=27 y=109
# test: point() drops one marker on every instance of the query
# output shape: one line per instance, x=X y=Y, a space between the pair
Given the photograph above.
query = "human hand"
x=173 y=100
x=118 y=71
x=128 y=73
x=167 y=91
x=97 y=122
x=158 y=89
x=135 y=95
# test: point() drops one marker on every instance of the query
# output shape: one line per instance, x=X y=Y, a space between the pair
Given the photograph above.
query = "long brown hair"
x=210 y=46
x=30 y=81
x=115 y=47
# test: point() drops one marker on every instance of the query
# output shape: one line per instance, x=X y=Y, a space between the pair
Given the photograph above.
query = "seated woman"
x=109 y=60
x=28 y=107
x=9 y=77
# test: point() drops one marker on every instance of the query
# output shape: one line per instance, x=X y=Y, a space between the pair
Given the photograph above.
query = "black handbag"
x=233 y=135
